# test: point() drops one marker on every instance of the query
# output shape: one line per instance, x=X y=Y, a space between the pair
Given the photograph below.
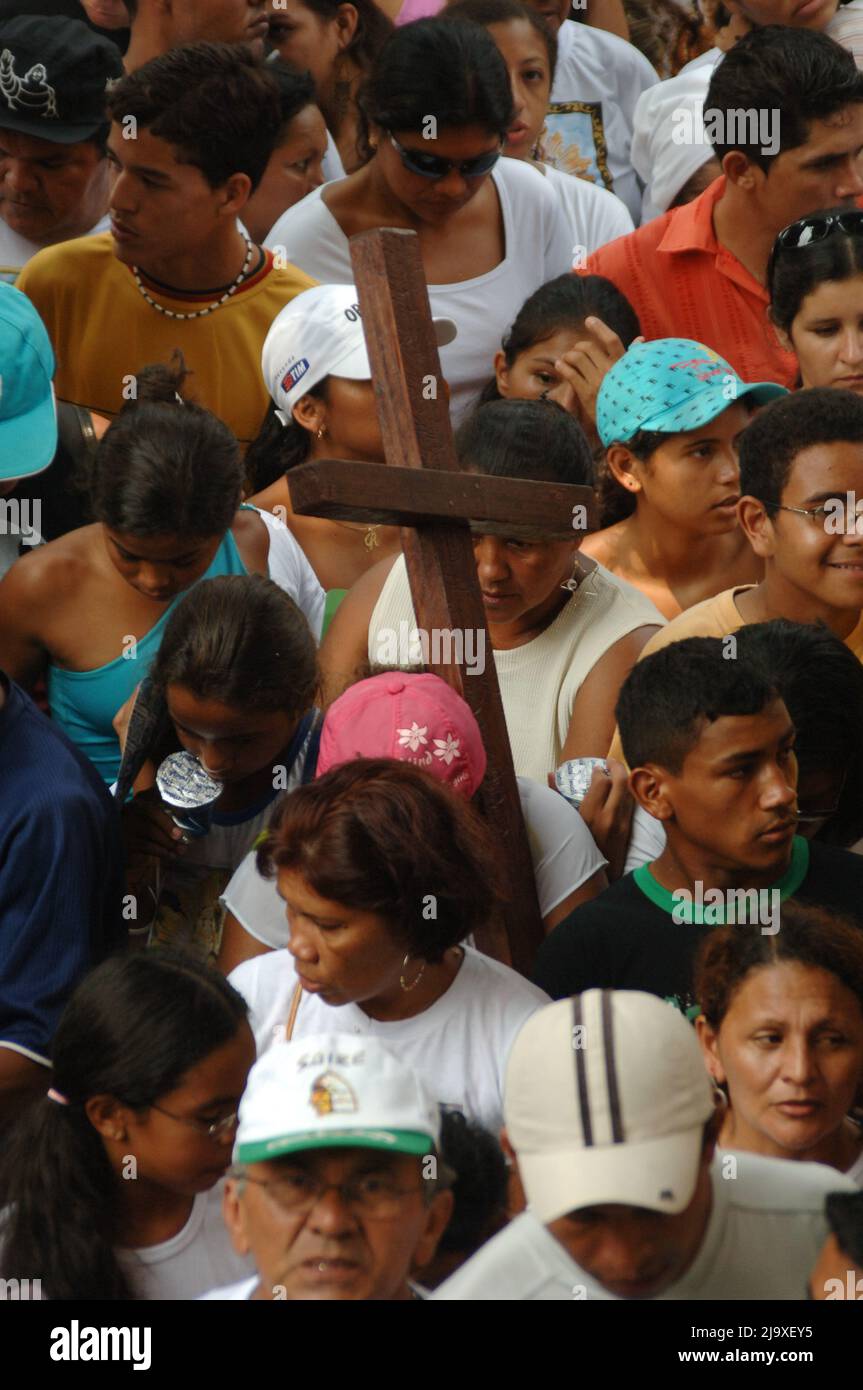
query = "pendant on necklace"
x=370 y=540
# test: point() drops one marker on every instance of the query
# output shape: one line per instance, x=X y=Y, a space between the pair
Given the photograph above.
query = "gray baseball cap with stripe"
x=605 y=1102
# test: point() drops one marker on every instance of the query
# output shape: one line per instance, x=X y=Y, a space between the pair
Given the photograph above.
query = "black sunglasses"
x=433 y=166
x=807 y=231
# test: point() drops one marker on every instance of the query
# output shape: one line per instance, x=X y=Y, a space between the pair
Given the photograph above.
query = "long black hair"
x=133 y=1028
x=278 y=448
x=165 y=466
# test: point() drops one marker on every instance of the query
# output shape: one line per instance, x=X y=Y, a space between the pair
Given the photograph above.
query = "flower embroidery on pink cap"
x=447 y=748
x=413 y=737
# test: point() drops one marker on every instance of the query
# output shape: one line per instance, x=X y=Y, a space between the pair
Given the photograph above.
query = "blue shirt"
x=61 y=873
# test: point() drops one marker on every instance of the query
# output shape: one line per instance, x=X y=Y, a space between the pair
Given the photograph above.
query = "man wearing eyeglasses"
x=801 y=480
x=337 y=1188
x=785 y=109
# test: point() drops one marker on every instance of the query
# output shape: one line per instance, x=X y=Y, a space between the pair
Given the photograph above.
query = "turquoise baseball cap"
x=28 y=414
x=671 y=385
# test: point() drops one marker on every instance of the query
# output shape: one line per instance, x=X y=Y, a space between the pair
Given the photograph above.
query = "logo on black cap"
x=31 y=93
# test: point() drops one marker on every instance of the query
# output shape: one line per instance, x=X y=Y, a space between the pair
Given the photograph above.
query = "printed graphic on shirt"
x=574 y=141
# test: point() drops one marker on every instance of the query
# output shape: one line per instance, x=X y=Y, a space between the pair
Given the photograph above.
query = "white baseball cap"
x=320 y=334
x=333 y=1090
x=605 y=1101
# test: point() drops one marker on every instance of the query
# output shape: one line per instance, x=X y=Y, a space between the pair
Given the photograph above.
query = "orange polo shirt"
x=682 y=283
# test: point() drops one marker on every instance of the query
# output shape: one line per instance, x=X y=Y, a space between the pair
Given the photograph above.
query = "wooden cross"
x=422 y=489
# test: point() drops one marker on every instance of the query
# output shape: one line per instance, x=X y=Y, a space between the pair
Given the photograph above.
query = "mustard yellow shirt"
x=103 y=331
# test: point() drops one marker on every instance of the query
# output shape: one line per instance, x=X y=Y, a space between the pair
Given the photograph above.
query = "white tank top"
x=539 y=681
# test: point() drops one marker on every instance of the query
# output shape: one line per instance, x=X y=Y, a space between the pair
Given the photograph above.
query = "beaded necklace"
x=211 y=308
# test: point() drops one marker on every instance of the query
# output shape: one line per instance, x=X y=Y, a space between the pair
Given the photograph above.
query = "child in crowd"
x=237 y=671
x=669 y=414
x=110 y=1183
x=89 y=609
x=562 y=342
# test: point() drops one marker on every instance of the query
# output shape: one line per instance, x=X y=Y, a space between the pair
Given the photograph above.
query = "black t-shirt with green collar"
x=632 y=936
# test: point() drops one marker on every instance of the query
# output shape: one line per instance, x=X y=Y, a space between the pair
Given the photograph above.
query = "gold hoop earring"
x=407 y=988
x=321 y=432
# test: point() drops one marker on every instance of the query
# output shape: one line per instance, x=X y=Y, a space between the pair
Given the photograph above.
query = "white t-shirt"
x=16 y=251
x=564 y=857
x=197 y=1258
x=240 y=1292
x=598 y=79
x=765 y=1231
x=538 y=246
x=289 y=568
x=593 y=214
x=459 y=1046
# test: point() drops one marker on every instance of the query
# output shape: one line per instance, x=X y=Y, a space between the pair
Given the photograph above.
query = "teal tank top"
x=83 y=703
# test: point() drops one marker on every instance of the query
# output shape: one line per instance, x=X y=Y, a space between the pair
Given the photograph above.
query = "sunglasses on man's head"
x=434 y=166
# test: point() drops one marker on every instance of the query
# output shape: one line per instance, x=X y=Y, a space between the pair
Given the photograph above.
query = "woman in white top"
x=110 y=1184
x=564 y=634
x=417 y=718
x=384 y=872
x=438 y=106
x=593 y=215
x=597 y=82
x=781 y=1027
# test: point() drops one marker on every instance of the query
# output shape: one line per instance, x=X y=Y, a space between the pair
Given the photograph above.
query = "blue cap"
x=671 y=385
x=28 y=416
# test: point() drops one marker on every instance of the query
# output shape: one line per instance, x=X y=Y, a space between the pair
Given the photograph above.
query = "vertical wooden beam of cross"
x=417 y=438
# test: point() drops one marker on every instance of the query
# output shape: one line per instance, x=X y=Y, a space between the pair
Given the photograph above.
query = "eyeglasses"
x=433 y=166
x=372 y=1195
x=832 y=507
x=808 y=817
x=217 y=1130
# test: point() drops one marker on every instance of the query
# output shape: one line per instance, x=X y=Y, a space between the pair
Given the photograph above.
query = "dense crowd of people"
x=253 y=1041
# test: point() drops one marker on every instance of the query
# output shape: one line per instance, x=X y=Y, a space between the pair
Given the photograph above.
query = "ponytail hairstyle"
x=616 y=502
x=278 y=448
x=241 y=640
x=166 y=466
x=133 y=1029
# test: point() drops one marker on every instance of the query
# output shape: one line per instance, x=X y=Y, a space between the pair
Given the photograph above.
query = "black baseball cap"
x=54 y=77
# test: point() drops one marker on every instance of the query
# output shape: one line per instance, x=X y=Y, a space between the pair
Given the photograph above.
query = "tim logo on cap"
x=295 y=373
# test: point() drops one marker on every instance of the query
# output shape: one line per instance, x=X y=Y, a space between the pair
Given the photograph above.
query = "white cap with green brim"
x=333 y=1090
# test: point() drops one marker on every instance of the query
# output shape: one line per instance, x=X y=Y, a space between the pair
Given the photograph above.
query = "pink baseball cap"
x=415 y=718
